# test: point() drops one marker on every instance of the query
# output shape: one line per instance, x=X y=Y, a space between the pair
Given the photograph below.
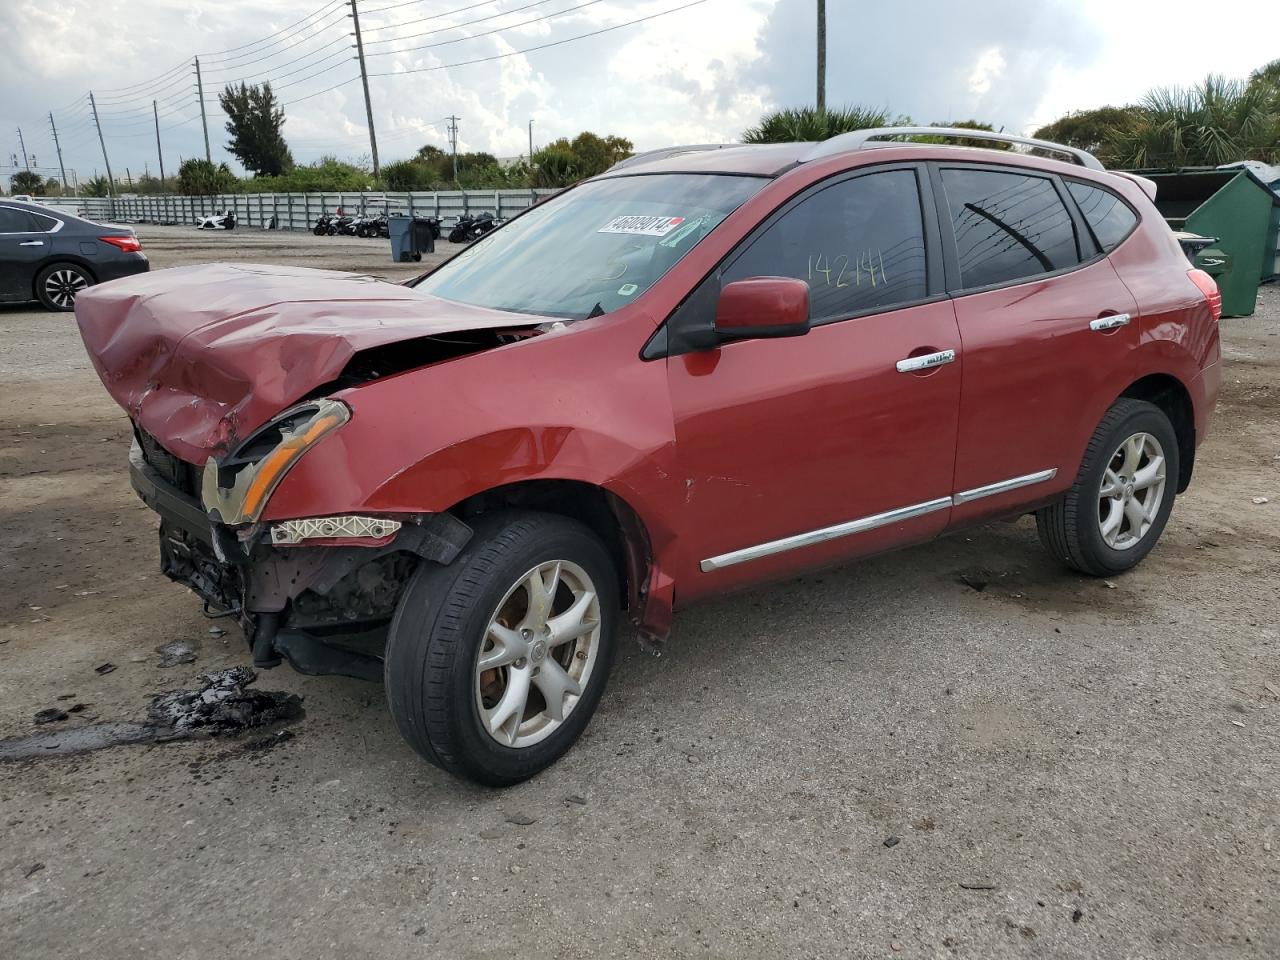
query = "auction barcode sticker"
x=642 y=226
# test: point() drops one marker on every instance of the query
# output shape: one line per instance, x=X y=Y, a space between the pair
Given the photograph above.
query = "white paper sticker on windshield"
x=642 y=226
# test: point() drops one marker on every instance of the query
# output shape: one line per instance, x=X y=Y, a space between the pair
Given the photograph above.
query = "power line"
x=225 y=63
x=483 y=33
x=453 y=26
x=542 y=46
x=310 y=16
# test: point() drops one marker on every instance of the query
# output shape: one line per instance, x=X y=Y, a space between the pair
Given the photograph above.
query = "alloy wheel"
x=539 y=650
x=1131 y=491
x=61 y=286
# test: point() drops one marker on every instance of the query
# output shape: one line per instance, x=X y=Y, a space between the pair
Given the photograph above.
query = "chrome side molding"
x=823 y=535
x=991 y=489
x=864 y=524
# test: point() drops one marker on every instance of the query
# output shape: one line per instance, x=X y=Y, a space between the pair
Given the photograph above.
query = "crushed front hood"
x=201 y=356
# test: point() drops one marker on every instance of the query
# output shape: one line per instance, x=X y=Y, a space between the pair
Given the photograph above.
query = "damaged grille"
x=181 y=474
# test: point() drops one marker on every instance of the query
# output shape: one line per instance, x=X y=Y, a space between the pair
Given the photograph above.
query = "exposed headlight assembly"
x=236 y=488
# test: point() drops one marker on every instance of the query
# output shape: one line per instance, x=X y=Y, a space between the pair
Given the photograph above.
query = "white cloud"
x=986 y=71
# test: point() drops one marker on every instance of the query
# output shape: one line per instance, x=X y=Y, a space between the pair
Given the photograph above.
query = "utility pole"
x=204 y=121
x=22 y=143
x=111 y=183
x=822 y=56
x=531 y=141
x=160 y=153
x=364 y=79
x=57 y=146
x=453 y=143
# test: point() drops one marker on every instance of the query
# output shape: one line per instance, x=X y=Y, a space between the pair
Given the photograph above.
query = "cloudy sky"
x=690 y=72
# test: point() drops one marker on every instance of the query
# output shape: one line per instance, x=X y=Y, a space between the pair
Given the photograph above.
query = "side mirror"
x=763 y=307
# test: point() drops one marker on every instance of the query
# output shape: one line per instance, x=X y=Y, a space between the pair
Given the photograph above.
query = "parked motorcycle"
x=322 y=224
x=226 y=220
x=342 y=226
x=374 y=226
x=470 y=228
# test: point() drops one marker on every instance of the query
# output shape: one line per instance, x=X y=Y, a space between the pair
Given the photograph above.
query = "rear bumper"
x=1204 y=398
x=124 y=265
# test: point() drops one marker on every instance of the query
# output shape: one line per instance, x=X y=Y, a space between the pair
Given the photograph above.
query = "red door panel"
x=777 y=438
x=1037 y=379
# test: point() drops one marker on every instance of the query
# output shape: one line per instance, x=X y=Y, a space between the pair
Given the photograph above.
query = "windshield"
x=593 y=250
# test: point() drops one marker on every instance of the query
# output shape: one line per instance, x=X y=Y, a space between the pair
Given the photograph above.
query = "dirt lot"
x=1073 y=768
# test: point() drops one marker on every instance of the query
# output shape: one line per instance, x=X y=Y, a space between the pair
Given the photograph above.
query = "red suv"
x=706 y=368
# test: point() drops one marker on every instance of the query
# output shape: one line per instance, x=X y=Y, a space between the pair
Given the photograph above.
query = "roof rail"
x=651 y=155
x=863 y=139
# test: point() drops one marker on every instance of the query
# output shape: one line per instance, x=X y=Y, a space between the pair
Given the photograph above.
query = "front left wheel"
x=58 y=284
x=495 y=663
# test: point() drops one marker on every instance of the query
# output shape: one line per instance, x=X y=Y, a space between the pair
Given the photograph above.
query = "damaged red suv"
x=706 y=368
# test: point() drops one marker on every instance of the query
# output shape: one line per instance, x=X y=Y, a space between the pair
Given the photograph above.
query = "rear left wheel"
x=495 y=663
x=1115 y=512
x=58 y=284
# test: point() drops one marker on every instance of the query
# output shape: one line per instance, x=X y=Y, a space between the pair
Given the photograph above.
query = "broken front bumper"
x=321 y=607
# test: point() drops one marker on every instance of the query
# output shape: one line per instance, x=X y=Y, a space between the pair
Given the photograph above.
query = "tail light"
x=1210 y=290
x=124 y=244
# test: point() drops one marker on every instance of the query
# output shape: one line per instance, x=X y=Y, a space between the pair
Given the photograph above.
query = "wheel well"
x=1168 y=393
x=35 y=277
x=610 y=517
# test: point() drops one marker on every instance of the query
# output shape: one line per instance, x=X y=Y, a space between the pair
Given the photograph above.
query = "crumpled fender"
x=427 y=439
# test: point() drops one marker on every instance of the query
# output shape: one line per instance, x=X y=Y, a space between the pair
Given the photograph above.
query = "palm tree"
x=807 y=123
x=1217 y=121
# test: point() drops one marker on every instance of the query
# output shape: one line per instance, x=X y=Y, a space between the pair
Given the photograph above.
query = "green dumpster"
x=1237 y=209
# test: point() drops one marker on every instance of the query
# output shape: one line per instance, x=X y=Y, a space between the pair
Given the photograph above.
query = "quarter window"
x=13 y=220
x=858 y=243
x=46 y=224
x=1008 y=226
x=1108 y=216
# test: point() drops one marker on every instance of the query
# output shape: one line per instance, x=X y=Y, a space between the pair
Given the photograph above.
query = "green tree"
x=255 y=123
x=1216 y=121
x=201 y=178
x=1095 y=130
x=28 y=182
x=555 y=165
x=96 y=187
x=1268 y=73
x=802 y=124
x=964 y=141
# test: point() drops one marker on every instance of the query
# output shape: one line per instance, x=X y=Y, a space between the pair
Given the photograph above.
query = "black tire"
x=318 y=230
x=1069 y=528
x=439 y=628
x=58 y=281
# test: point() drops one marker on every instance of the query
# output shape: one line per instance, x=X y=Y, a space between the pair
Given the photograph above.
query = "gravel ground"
x=1070 y=768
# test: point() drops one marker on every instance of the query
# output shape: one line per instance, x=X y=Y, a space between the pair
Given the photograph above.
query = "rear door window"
x=1008 y=226
x=1108 y=216
x=13 y=220
x=858 y=243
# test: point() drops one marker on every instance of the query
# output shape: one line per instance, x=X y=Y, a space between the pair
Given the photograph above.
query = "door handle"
x=31 y=243
x=1109 y=323
x=926 y=361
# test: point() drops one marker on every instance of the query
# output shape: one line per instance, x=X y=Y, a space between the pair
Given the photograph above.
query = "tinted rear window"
x=1108 y=216
x=13 y=220
x=1008 y=226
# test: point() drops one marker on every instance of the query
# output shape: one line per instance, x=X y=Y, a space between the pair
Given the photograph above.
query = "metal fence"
x=297 y=211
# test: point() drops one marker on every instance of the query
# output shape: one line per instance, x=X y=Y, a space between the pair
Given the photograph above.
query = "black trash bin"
x=424 y=239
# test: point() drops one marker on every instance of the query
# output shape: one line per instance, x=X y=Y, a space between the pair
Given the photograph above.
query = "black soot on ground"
x=221 y=706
